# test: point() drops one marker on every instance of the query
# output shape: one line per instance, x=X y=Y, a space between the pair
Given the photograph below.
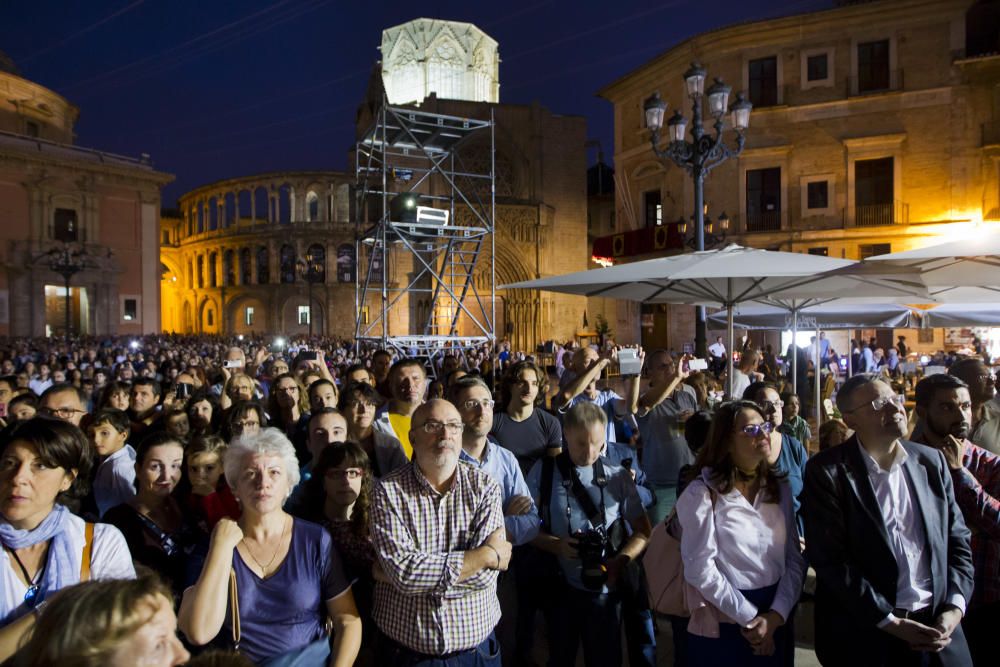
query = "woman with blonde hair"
x=269 y=578
x=115 y=623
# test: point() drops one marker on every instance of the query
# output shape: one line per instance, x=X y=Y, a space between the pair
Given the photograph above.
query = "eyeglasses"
x=896 y=399
x=246 y=425
x=62 y=413
x=439 y=427
x=754 y=430
x=772 y=405
x=346 y=473
x=987 y=377
x=472 y=404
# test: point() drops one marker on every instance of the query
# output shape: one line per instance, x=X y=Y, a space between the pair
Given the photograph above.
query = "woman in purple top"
x=288 y=575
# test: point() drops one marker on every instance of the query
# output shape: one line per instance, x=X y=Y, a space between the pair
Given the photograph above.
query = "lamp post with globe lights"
x=703 y=152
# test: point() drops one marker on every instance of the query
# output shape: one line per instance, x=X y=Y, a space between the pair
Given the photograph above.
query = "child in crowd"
x=210 y=496
x=114 y=479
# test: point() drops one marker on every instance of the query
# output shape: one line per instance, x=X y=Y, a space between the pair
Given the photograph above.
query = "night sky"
x=215 y=89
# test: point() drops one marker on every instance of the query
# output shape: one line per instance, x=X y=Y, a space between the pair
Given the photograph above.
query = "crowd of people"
x=173 y=500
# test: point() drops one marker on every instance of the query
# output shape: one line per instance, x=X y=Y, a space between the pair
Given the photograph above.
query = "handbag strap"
x=88 y=543
x=234 y=609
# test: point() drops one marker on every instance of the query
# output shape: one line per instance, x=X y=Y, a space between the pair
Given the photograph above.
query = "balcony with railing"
x=872 y=83
x=763 y=221
x=877 y=215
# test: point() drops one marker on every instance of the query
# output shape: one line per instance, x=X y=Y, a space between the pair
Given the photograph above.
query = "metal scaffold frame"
x=413 y=153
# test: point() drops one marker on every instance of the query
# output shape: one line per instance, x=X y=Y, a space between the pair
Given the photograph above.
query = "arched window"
x=263 y=266
x=346 y=263
x=213 y=263
x=228 y=268
x=312 y=206
x=317 y=257
x=201 y=271
x=287 y=260
x=245 y=270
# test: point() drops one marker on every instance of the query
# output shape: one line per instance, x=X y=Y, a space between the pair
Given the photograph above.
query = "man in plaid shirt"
x=438 y=530
x=945 y=410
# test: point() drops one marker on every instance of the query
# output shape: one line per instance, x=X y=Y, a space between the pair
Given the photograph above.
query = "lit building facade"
x=874 y=130
x=216 y=247
x=101 y=209
x=234 y=256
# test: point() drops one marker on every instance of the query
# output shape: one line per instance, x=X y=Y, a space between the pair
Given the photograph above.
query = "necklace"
x=31 y=594
x=264 y=568
x=747 y=474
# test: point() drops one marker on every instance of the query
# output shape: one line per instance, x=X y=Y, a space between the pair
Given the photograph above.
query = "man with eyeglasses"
x=887 y=540
x=65 y=402
x=475 y=404
x=985 y=427
x=945 y=411
x=438 y=532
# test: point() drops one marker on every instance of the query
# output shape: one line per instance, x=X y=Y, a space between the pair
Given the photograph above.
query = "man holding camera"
x=585 y=503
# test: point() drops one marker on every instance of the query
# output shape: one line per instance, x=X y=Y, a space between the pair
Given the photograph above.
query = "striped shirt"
x=420 y=536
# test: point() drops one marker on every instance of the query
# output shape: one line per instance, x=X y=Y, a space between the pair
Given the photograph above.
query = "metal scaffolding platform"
x=422 y=212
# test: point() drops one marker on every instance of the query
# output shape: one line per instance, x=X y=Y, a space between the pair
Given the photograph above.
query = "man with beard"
x=894 y=570
x=985 y=425
x=438 y=532
x=408 y=382
x=945 y=411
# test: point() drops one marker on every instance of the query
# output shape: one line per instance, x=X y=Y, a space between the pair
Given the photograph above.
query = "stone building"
x=99 y=210
x=449 y=59
x=875 y=128
x=540 y=228
x=234 y=256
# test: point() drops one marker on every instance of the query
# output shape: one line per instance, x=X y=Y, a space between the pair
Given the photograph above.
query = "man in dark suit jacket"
x=888 y=542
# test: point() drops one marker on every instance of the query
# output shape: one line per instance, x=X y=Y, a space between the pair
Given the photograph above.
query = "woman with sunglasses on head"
x=44 y=466
x=788 y=454
x=159 y=534
x=740 y=545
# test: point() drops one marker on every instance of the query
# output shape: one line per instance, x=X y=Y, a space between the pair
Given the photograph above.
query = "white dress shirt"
x=736 y=546
x=907 y=539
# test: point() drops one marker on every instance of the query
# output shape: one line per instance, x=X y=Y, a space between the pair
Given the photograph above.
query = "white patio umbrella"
x=835 y=314
x=962 y=315
x=722 y=278
x=945 y=268
x=840 y=314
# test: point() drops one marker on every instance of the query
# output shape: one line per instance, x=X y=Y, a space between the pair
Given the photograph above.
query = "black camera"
x=592 y=547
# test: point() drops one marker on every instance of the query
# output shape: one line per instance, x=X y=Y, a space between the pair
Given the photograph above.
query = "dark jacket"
x=849 y=548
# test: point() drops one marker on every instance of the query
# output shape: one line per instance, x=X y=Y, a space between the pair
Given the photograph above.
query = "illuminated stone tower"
x=455 y=61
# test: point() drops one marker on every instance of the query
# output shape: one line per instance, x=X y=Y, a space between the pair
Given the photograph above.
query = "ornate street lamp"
x=310 y=268
x=703 y=152
x=711 y=239
x=68 y=261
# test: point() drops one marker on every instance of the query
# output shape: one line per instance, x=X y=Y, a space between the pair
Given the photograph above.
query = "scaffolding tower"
x=420 y=204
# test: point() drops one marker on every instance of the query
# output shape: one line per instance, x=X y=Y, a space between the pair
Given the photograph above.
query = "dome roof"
x=7 y=64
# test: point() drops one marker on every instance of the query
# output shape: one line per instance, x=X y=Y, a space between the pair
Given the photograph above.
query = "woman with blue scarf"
x=44 y=466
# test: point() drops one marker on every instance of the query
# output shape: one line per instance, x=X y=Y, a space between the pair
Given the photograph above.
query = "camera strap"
x=568 y=472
